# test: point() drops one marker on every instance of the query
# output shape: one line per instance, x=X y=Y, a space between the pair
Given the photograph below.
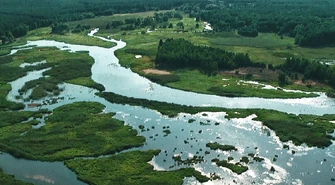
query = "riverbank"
x=312 y=130
x=193 y=80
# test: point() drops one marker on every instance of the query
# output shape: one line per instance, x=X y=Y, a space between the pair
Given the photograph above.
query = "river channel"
x=306 y=166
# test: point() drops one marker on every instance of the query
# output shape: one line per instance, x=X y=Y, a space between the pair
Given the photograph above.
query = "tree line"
x=310 y=22
x=17 y=17
x=180 y=53
x=314 y=70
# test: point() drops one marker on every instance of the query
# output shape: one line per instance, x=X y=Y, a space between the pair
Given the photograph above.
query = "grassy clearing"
x=309 y=129
x=193 y=80
x=71 y=38
x=7 y=179
x=71 y=131
x=129 y=168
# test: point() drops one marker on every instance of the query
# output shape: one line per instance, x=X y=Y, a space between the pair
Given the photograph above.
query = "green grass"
x=195 y=81
x=70 y=38
x=71 y=131
x=268 y=48
x=11 y=118
x=297 y=128
x=236 y=168
x=4 y=51
x=7 y=179
x=4 y=103
x=129 y=168
x=215 y=146
x=68 y=67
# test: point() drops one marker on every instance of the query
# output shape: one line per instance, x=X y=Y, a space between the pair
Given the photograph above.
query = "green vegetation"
x=236 y=168
x=309 y=129
x=215 y=146
x=128 y=168
x=66 y=67
x=71 y=38
x=193 y=160
x=11 y=118
x=71 y=131
x=312 y=130
x=9 y=179
x=266 y=48
x=179 y=53
x=4 y=103
x=193 y=80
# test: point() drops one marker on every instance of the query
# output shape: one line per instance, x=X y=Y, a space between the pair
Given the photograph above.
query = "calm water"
x=306 y=166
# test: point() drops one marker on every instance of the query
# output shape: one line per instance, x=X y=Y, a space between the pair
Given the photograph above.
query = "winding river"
x=306 y=166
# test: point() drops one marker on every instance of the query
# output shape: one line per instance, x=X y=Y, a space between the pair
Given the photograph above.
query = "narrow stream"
x=306 y=166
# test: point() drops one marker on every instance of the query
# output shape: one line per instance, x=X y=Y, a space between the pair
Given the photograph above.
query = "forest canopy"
x=180 y=53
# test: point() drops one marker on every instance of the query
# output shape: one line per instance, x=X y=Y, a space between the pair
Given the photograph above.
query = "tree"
x=60 y=29
x=170 y=25
x=10 y=36
x=197 y=25
x=281 y=79
x=160 y=43
x=4 y=40
x=108 y=26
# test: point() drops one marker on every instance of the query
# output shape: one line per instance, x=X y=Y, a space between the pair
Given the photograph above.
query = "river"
x=306 y=166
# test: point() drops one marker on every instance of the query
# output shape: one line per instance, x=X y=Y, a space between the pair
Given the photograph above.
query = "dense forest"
x=180 y=53
x=314 y=70
x=310 y=22
x=16 y=21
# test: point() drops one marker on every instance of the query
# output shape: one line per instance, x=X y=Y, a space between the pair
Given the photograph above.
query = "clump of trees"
x=313 y=70
x=180 y=53
x=60 y=28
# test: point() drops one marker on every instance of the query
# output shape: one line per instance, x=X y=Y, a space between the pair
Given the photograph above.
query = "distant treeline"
x=180 y=53
x=17 y=17
x=310 y=22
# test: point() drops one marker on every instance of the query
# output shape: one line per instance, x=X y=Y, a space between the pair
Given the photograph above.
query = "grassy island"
x=236 y=168
x=129 y=168
x=71 y=131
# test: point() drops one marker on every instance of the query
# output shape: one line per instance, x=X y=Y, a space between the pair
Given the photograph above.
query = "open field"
x=71 y=38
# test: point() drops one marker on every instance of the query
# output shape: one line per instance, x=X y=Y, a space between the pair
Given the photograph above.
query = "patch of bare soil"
x=257 y=73
x=156 y=71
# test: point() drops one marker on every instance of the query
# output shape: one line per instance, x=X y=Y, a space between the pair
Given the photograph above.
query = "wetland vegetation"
x=10 y=179
x=71 y=131
x=129 y=168
x=309 y=129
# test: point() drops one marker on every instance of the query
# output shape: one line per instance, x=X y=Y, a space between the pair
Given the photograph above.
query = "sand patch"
x=156 y=71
